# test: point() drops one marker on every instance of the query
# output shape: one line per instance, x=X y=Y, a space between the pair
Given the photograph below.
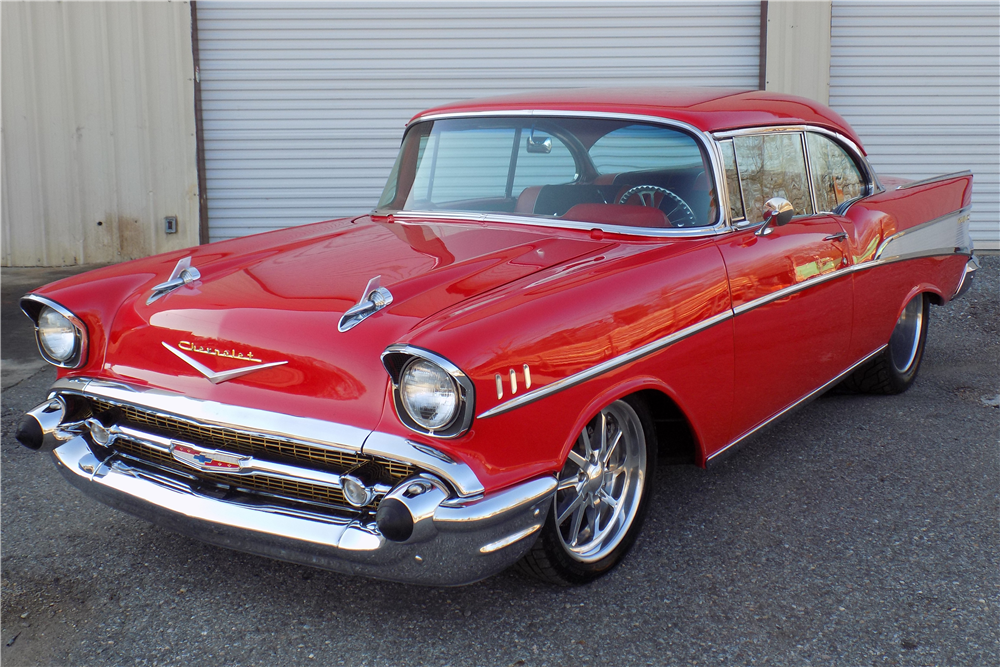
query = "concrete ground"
x=862 y=530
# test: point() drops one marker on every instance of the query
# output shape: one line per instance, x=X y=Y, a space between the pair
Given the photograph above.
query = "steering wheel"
x=676 y=209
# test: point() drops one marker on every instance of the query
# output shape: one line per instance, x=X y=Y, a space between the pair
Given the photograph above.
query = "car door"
x=792 y=295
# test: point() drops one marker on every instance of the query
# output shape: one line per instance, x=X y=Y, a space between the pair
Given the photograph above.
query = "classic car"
x=556 y=293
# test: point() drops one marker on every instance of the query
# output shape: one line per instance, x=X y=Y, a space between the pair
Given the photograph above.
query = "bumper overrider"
x=428 y=522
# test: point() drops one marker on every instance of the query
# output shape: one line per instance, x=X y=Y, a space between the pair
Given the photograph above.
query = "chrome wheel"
x=601 y=485
x=905 y=340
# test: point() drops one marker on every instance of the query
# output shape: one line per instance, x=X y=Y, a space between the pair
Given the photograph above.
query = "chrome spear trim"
x=374 y=299
x=183 y=274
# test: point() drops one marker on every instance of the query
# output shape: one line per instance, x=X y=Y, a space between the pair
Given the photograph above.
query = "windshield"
x=584 y=169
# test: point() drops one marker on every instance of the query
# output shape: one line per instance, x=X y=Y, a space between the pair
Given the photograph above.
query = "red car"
x=556 y=293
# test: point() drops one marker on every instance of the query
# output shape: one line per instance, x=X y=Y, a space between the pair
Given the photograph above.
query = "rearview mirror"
x=538 y=144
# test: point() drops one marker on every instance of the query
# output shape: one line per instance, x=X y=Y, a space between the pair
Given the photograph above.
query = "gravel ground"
x=860 y=531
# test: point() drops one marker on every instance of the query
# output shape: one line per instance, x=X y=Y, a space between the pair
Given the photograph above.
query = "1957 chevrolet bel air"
x=555 y=293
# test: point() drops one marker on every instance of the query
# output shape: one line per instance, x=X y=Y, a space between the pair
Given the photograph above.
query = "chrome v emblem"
x=222 y=376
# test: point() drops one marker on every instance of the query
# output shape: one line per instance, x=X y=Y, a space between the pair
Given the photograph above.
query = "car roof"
x=707 y=109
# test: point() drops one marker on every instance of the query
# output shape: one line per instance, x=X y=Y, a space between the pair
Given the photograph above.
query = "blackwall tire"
x=895 y=369
x=601 y=500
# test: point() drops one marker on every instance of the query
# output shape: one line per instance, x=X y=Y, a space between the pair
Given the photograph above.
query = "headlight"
x=57 y=335
x=429 y=394
x=61 y=335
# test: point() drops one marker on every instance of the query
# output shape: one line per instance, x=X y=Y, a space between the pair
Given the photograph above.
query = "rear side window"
x=772 y=165
x=836 y=178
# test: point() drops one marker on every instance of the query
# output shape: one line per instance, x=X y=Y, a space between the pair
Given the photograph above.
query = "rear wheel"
x=893 y=371
x=601 y=498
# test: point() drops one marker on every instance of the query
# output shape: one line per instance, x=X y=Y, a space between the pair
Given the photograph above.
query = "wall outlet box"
x=170 y=224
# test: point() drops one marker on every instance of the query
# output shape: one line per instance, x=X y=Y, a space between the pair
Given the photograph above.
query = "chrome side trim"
x=426 y=457
x=948 y=234
x=781 y=413
x=327 y=435
x=718 y=169
x=606 y=366
x=791 y=289
x=935 y=179
x=82 y=336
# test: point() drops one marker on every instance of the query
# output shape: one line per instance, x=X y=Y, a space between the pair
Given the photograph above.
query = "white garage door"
x=304 y=105
x=920 y=83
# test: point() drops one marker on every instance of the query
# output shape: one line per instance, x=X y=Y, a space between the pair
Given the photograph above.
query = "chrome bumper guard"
x=967 y=277
x=455 y=541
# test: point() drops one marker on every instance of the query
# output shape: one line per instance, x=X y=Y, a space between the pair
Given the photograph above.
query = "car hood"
x=272 y=310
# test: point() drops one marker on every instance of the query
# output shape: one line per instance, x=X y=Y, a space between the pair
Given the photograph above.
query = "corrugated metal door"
x=304 y=105
x=920 y=83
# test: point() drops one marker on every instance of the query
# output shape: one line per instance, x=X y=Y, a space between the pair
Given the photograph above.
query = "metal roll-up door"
x=304 y=105
x=920 y=83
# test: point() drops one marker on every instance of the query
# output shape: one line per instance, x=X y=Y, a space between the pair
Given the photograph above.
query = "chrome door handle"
x=839 y=236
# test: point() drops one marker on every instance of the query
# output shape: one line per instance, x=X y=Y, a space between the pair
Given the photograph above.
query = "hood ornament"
x=183 y=274
x=221 y=376
x=373 y=299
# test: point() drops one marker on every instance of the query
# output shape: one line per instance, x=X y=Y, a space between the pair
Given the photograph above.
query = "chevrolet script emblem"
x=221 y=376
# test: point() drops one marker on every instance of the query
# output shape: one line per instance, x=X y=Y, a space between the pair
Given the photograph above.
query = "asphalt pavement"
x=862 y=530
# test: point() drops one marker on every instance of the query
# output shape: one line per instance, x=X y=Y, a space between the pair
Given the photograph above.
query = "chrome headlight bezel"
x=397 y=358
x=33 y=306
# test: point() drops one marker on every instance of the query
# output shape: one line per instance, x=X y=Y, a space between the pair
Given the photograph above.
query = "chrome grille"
x=245 y=443
x=280 y=487
x=239 y=442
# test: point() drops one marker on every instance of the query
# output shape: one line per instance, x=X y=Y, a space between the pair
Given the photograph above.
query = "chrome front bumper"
x=458 y=542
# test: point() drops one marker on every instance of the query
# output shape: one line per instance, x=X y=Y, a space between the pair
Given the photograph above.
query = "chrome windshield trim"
x=718 y=169
x=604 y=367
x=79 y=358
x=794 y=405
x=935 y=179
x=324 y=434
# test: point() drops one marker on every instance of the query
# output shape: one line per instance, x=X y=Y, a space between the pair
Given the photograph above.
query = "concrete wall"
x=98 y=131
x=798 y=48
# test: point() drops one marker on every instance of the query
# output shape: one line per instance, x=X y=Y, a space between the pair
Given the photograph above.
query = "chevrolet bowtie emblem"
x=221 y=376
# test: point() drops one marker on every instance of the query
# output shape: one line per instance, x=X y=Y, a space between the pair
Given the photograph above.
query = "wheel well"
x=934 y=298
x=674 y=438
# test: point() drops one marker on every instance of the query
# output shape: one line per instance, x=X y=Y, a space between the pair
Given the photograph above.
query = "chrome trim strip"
x=458 y=474
x=794 y=405
x=791 y=289
x=718 y=169
x=509 y=540
x=495 y=505
x=935 y=179
x=221 y=376
x=604 y=367
x=324 y=434
x=79 y=358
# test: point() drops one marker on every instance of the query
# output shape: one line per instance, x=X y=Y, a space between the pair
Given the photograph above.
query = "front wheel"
x=894 y=370
x=601 y=497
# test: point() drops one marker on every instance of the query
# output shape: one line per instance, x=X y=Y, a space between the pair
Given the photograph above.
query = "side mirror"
x=778 y=212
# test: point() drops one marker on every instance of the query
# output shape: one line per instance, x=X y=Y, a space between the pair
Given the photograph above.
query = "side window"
x=732 y=180
x=772 y=165
x=835 y=176
x=539 y=167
